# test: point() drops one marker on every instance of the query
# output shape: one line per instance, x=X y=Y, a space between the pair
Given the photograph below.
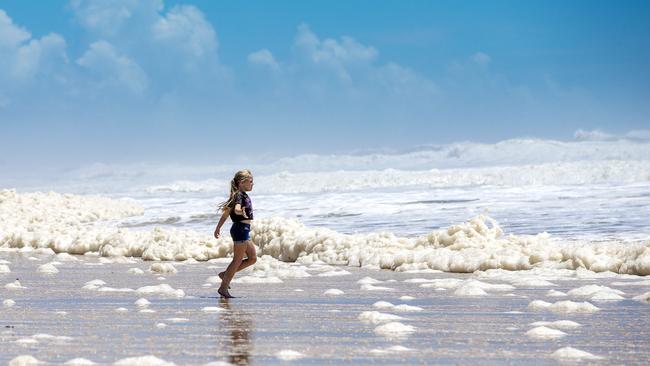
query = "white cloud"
x=337 y=55
x=185 y=28
x=113 y=68
x=11 y=35
x=165 y=43
x=263 y=57
x=598 y=135
x=24 y=58
x=402 y=80
x=110 y=18
x=481 y=59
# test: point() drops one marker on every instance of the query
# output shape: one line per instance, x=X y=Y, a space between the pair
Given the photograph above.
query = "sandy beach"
x=92 y=309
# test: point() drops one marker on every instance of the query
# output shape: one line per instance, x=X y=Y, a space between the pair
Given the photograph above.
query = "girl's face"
x=247 y=184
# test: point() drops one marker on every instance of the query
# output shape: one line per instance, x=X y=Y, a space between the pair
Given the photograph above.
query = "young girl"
x=240 y=210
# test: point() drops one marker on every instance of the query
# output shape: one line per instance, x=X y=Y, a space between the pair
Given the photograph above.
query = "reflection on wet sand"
x=238 y=324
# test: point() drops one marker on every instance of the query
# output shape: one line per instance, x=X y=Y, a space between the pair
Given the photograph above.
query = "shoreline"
x=273 y=323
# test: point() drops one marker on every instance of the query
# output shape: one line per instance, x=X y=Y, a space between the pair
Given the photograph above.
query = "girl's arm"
x=224 y=216
x=240 y=210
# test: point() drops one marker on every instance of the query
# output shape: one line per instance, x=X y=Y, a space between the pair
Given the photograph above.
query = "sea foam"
x=71 y=224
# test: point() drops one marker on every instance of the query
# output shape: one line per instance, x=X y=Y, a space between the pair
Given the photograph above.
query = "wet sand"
x=55 y=319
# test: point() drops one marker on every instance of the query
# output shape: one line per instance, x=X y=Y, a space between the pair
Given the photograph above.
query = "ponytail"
x=240 y=176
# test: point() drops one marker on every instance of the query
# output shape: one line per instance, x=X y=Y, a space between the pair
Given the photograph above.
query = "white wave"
x=565 y=173
x=191 y=177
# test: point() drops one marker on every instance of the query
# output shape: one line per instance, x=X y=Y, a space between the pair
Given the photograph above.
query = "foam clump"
x=368 y=281
x=212 y=309
x=4 y=268
x=267 y=266
x=564 y=306
x=333 y=273
x=470 y=290
x=643 y=297
x=143 y=361
x=48 y=268
x=162 y=289
x=66 y=258
x=24 y=360
x=333 y=292
x=394 y=329
x=163 y=268
x=369 y=287
x=376 y=317
x=597 y=292
x=555 y=293
x=142 y=302
x=543 y=332
x=559 y=324
x=383 y=305
x=8 y=303
x=288 y=355
x=135 y=271
x=15 y=286
x=79 y=362
x=257 y=279
x=391 y=349
x=574 y=354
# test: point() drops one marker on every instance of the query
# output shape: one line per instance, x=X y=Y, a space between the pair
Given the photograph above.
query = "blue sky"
x=116 y=81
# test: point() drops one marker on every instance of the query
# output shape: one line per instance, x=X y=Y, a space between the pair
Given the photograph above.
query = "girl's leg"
x=239 y=249
x=251 y=256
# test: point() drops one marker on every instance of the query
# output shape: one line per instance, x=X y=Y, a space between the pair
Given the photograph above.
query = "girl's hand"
x=217 y=234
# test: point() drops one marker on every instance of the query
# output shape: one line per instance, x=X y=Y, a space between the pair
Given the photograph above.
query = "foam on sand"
x=212 y=309
x=163 y=268
x=162 y=289
x=571 y=353
x=149 y=360
x=564 y=306
x=597 y=293
x=24 y=360
x=558 y=324
x=394 y=330
x=369 y=287
x=48 y=268
x=545 y=333
x=391 y=349
x=643 y=298
x=376 y=317
x=333 y=292
x=15 y=286
x=8 y=303
x=142 y=302
x=79 y=362
x=289 y=355
x=4 y=269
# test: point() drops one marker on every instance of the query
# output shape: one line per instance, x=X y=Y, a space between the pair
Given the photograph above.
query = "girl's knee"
x=252 y=259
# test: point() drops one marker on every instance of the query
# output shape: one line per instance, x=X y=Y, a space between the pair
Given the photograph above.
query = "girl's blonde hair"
x=240 y=176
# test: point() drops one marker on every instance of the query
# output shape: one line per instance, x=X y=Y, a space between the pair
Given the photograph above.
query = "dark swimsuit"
x=239 y=230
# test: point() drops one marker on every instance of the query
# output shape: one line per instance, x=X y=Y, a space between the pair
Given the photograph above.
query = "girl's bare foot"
x=225 y=293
